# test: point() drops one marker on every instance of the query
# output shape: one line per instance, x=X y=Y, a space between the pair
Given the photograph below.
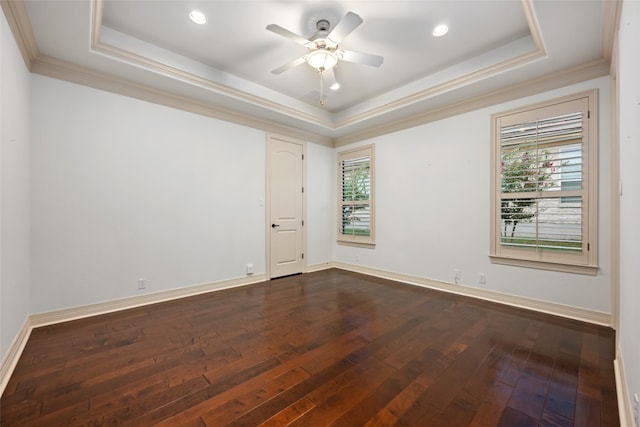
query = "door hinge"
x=588 y=246
x=302 y=256
x=303 y=189
x=303 y=157
x=303 y=222
x=588 y=114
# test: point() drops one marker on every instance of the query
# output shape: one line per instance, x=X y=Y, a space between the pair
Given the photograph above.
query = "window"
x=544 y=178
x=571 y=171
x=355 y=196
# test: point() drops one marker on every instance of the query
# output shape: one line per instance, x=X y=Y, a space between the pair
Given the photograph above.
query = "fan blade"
x=330 y=78
x=288 y=34
x=289 y=65
x=349 y=23
x=362 y=58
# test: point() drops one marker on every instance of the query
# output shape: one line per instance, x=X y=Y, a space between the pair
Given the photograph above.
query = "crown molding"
x=611 y=11
x=97 y=10
x=67 y=71
x=443 y=88
x=18 y=20
x=532 y=22
x=110 y=50
x=577 y=74
x=53 y=67
x=98 y=45
x=16 y=14
x=205 y=83
x=537 y=53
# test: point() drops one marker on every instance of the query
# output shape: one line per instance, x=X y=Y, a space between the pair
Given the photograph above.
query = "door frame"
x=267 y=221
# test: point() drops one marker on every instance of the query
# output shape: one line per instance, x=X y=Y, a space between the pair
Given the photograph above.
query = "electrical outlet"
x=249 y=269
x=482 y=279
x=142 y=283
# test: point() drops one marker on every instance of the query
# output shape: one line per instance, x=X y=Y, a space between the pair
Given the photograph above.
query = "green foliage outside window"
x=523 y=172
x=356 y=187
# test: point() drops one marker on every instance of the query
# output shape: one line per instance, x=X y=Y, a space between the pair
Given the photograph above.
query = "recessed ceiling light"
x=198 y=17
x=440 y=30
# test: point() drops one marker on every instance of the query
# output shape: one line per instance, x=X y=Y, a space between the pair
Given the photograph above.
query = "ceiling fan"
x=324 y=51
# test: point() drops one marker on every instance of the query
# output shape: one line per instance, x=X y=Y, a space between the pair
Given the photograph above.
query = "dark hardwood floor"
x=325 y=348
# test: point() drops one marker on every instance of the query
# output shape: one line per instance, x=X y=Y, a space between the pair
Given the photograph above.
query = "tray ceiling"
x=225 y=65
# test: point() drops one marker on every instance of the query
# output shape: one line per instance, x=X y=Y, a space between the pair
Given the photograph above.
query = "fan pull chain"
x=321 y=89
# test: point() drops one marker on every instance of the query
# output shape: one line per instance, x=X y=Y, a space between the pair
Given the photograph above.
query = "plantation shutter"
x=356 y=195
x=544 y=210
x=541 y=183
x=545 y=189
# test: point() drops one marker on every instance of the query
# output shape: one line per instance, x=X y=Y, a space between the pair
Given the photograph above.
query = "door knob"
x=275 y=225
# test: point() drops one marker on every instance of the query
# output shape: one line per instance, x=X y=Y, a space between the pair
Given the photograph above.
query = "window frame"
x=354 y=239
x=586 y=262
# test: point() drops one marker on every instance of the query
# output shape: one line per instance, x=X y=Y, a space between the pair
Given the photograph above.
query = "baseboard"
x=67 y=314
x=622 y=391
x=576 y=313
x=13 y=355
x=320 y=267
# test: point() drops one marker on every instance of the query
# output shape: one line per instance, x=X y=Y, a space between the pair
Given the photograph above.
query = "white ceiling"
x=225 y=65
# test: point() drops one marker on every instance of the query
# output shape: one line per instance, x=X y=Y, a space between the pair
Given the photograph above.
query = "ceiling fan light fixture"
x=198 y=17
x=322 y=59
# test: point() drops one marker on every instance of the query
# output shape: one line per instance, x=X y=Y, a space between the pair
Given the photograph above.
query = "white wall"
x=123 y=189
x=321 y=203
x=432 y=208
x=629 y=134
x=14 y=189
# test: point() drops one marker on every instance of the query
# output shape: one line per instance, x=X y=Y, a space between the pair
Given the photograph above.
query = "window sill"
x=356 y=244
x=591 y=270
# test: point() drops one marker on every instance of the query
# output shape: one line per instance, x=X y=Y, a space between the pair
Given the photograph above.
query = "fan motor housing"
x=323 y=26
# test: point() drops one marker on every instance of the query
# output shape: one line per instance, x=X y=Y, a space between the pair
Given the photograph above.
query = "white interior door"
x=285 y=225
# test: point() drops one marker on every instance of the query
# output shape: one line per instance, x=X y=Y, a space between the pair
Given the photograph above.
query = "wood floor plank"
x=186 y=401
x=529 y=396
x=390 y=414
x=492 y=407
x=513 y=418
x=243 y=403
x=588 y=411
x=283 y=400
x=382 y=396
x=552 y=419
x=325 y=348
x=289 y=414
x=335 y=403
